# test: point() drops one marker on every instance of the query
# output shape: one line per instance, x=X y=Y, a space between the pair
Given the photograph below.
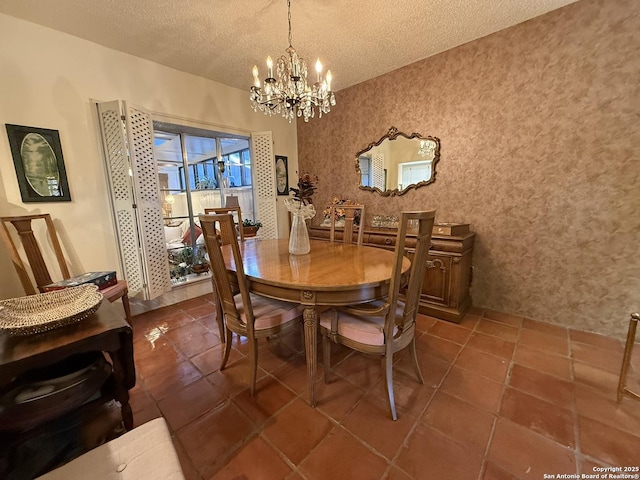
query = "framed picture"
x=37 y=157
x=282 y=175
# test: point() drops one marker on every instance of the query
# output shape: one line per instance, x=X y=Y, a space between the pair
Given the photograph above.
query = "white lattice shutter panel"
x=377 y=169
x=264 y=179
x=147 y=194
x=121 y=188
x=128 y=147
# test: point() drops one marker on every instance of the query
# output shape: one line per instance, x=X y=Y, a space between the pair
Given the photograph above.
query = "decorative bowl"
x=47 y=311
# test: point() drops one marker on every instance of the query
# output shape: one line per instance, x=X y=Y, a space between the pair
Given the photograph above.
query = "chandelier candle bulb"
x=256 y=80
x=269 y=67
x=319 y=70
x=328 y=78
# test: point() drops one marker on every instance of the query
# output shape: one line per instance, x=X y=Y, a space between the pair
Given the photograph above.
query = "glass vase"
x=299 y=236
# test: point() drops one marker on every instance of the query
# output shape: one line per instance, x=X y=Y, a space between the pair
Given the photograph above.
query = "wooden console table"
x=445 y=293
x=104 y=331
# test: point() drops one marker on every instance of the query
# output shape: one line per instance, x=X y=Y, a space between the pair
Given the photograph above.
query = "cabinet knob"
x=387 y=241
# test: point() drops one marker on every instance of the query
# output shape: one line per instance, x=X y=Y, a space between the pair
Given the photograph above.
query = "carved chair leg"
x=219 y=316
x=387 y=366
x=414 y=357
x=254 y=364
x=326 y=357
x=221 y=328
x=227 y=349
x=220 y=320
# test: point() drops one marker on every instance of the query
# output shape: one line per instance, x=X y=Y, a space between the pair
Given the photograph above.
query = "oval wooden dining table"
x=331 y=274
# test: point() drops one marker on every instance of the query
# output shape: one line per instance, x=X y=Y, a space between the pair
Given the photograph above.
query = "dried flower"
x=339 y=213
x=306 y=188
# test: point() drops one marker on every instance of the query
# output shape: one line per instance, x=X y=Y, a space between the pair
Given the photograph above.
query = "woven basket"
x=46 y=311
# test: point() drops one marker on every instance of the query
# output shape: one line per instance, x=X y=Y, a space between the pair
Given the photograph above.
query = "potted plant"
x=188 y=260
x=250 y=227
x=200 y=264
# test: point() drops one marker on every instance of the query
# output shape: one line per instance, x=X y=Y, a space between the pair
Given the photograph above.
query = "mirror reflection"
x=398 y=162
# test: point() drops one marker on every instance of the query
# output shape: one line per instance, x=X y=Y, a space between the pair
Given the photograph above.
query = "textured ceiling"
x=222 y=40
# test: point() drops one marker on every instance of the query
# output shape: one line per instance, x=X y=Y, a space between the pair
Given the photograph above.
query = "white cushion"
x=146 y=452
x=173 y=234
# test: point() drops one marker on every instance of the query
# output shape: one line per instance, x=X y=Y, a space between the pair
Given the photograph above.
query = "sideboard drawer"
x=386 y=240
x=376 y=240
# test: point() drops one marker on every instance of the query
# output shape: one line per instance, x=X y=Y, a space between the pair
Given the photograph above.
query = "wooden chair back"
x=32 y=250
x=229 y=210
x=411 y=295
x=36 y=261
x=220 y=276
x=349 y=222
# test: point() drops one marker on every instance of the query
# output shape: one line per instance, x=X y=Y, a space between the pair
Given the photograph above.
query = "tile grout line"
x=496 y=415
x=405 y=442
x=577 y=449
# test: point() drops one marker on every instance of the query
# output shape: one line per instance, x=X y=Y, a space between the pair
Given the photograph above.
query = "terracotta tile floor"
x=504 y=397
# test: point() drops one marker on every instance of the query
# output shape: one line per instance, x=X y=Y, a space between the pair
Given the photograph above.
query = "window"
x=191 y=180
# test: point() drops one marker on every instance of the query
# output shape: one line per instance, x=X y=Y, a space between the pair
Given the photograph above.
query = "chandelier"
x=426 y=148
x=288 y=93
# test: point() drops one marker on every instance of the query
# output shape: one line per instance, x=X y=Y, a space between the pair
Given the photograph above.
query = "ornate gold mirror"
x=398 y=162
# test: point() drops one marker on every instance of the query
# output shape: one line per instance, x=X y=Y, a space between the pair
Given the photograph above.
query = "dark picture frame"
x=282 y=175
x=37 y=157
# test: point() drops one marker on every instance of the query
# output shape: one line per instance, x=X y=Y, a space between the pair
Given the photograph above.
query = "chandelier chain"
x=289 y=16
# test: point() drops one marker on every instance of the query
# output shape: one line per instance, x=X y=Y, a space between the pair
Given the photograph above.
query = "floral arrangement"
x=306 y=188
x=339 y=212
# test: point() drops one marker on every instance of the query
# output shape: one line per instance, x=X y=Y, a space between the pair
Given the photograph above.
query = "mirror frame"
x=391 y=135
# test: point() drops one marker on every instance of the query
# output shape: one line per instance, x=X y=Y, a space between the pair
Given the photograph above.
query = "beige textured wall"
x=47 y=80
x=539 y=129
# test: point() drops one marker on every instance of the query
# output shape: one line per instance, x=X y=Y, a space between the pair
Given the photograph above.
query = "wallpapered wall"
x=539 y=153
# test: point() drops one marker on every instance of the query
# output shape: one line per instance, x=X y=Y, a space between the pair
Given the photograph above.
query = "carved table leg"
x=310 y=316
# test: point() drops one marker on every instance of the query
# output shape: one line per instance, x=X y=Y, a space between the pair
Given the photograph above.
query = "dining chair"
x=387 y=326
x=626 y=359
x=350 y=212
x=225 y=238
x=37 y=263
x=230 y=209
x=245 y=314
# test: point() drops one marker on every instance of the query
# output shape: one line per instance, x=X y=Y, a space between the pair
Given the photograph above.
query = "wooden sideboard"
x=445 y=293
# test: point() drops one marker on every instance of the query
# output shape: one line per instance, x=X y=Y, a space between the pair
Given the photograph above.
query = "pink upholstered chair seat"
x=268 y=313
x=362 y=329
